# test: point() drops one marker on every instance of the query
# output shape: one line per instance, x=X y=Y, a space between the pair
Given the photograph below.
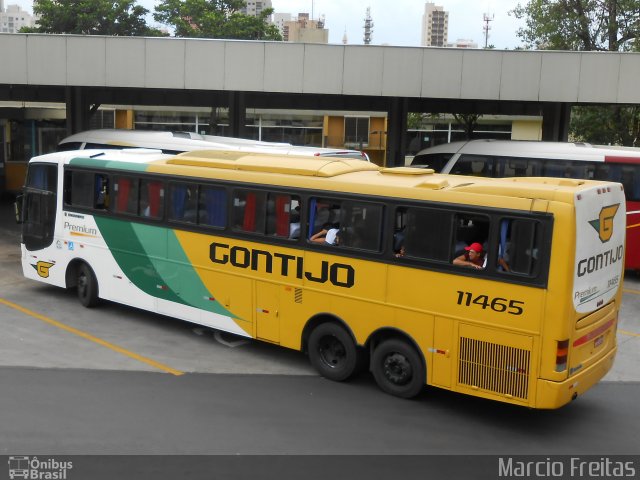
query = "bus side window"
x=294 y=219
x=631 y=182
x=470 y=229
x=280 y=215
x=360 y=225
x=125 y=192
x=520 y=167
x=475 y=165
x=213 y=207
x=183 y=202
x=249 y=208
x=425 y=233
x=324 y=214
x=565 y=169
x=79 y=189
x=101 y=192
x=151 y=199
x=602 y=173
x=519 y=246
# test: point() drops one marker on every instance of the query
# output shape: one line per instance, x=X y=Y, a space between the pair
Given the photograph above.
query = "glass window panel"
x=125 y=192
x=249 y=209
x=213 y=204
x=151 y=199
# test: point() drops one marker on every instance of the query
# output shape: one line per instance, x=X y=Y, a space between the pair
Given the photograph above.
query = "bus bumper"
x=556 y=394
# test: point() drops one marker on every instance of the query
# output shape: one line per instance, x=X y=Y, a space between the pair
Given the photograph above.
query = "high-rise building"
x=435 y=25
x=14 y=18
x=279 y=20
x=305 y=30
x=255 y=7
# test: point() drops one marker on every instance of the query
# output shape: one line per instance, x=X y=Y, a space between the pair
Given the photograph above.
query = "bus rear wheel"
x=87 y=286
x=398 y=369
x=333 y=352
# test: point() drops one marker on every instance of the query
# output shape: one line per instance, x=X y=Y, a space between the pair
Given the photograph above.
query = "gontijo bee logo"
x=43 y=268
x=604 y=224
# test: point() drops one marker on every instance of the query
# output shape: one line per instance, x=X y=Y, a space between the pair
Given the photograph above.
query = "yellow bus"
x=351 y=263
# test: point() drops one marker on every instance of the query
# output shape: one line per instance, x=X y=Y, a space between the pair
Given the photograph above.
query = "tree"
x=606 y=125
x=215 y=19
x=584 y=25
x=468 y=121
x=91 y=17
x=588 y=25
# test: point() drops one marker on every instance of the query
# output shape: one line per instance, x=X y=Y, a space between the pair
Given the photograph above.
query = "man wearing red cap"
x=473 y=257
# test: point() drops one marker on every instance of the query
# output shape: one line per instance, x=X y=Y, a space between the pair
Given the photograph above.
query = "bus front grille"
x=495 y=368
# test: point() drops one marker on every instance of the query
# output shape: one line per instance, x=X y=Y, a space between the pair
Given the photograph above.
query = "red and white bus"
x=514 y=158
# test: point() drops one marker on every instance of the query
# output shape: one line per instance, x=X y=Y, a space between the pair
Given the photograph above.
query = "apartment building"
x=14 y=18
x=435 y=25
x=306 y=30
x=255 y=7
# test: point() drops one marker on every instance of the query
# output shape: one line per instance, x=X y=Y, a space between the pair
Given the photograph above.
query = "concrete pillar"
x=77 y=110
x=555 y=121
x=237 y=114
x=396 y=131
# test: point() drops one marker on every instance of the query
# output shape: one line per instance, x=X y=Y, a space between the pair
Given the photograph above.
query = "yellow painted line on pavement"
x=627 y=290
x=624 y=332
x=91 y=338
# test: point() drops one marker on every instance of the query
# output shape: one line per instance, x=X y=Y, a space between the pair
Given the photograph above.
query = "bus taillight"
x=561 y=355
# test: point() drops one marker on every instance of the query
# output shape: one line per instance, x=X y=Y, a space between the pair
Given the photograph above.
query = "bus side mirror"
x=17 y=207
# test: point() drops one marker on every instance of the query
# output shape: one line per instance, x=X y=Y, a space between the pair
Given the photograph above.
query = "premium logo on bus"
x=43 y=268
x=604 y=224
x=80 y=230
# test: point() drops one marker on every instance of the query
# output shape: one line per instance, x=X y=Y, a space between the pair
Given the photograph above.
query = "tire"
x=333 y=353
x=398 y=368
x=87 y=286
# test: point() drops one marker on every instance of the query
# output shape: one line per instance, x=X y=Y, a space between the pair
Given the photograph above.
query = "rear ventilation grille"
x=494 y=368
x=298 y=295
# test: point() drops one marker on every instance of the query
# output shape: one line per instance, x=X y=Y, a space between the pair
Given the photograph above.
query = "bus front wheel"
x=333 y=352
x=398 y=369
x=87 y=286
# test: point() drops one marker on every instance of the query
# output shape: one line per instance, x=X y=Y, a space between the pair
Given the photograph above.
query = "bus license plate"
x=598 y=341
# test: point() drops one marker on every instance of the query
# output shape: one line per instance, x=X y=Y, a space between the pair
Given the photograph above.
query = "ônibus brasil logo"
x=604 y=224
x=34 y=468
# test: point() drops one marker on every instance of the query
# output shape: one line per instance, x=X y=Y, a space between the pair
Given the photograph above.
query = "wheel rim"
x=397 y=369
x=82 y=285
x=332 y=351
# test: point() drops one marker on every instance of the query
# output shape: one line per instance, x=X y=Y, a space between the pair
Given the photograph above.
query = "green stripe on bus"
x=108 y=164
x=154 y=261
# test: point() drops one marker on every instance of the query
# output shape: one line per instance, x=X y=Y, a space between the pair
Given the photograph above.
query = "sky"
x=396 y=22
x=399 y=22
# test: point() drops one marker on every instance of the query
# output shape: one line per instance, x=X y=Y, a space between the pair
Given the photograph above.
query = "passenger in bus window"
x=102 y=197
x=473 y=257
x=294 y=222
x=503 y=265
x=398 y=244
x=329 y=234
